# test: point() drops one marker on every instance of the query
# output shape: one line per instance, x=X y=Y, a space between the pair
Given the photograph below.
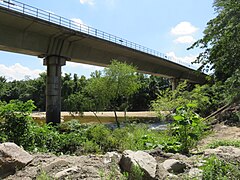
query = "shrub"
x=206 y=98
x=16 y=121
x=187 y=127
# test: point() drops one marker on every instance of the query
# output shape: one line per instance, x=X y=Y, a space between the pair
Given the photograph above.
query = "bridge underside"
x=32 y=36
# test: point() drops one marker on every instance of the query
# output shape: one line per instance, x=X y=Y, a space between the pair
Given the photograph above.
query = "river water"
x=152 y=122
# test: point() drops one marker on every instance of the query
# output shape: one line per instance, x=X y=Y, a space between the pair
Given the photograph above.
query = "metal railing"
x=71 y=24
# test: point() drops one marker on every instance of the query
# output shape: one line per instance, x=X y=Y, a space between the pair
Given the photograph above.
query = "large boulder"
x=12 y=158
x=146 y=163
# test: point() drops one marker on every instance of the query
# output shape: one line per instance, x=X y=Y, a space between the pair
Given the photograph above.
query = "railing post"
x=37 y=13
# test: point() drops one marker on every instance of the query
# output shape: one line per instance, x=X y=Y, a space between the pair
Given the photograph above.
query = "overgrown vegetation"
x=75 y=97
x=74 y=138
x=215 y=144
x=44 y=176
x=187 y=126
x=215 y=168
x=113 y=87
x=206 y=98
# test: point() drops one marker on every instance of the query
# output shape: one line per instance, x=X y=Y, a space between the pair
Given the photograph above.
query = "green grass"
x=215 y=144
x=43 y=176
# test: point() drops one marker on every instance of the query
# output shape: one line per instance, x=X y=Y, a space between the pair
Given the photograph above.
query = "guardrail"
x=56 y=19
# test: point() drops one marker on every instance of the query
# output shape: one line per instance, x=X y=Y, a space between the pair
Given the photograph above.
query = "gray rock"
x=55 y=165
x=65 y=172
x=111 y=157
x=142 y=159
x=174 y=166
x=161 y=172
x=225 y=152
x=171 y=176
x=12 y=158
x=195 y=173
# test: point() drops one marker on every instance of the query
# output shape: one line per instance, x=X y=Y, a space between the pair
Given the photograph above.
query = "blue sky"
x=166 y=26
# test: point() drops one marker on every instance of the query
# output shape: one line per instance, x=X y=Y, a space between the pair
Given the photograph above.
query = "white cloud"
x=79 y=24
x=77 y=21
x=85 y=66
x=185 y=40
x=89 y=2
x=184 y=28
x=186 y=61
x=18 y=72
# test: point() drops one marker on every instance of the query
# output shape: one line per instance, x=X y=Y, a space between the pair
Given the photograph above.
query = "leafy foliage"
x=75 y=138
x=75 y=96
x=187 y=127
x=113 y=86
x=207 y=98
x=136 y=173
x=168 y=100
x=16 y=120
x=233 y=84
x=221 y=42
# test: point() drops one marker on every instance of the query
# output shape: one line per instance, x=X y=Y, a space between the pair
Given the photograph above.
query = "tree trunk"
x=95 y=114
x=116 y=119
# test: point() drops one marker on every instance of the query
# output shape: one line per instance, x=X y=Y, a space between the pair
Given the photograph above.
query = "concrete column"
x=53 y=88
x=174 y=82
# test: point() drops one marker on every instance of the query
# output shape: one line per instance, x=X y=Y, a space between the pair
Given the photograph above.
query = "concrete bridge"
x=29 y=30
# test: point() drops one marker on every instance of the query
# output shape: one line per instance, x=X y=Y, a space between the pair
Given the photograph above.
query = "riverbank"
x=100 y=114
x=111 y=165
x=102 y=117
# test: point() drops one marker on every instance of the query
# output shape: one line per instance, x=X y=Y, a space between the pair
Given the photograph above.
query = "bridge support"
x=53 y=88
x=174 y=82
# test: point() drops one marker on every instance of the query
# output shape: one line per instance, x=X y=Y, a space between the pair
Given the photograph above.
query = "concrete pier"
x=53 y=88
x=174 y=82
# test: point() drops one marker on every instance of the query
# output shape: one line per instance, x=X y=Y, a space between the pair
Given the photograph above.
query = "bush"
x=16 y=121
x=207 y=99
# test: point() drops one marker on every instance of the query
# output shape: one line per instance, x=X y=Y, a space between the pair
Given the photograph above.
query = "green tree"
x=3 y=86
x=150 y=87
x=113 y=86
x=72 y=93
x=221 y=40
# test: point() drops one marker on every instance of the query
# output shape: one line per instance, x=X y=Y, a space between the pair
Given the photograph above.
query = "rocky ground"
x=221 y=132
x=155 y=164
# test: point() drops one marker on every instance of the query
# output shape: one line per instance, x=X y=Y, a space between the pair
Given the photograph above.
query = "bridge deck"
x=33 y=31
